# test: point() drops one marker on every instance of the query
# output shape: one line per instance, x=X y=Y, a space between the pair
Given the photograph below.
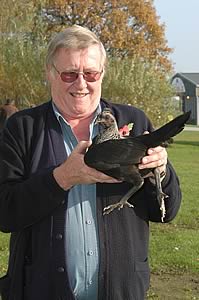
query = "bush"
x=138 y=83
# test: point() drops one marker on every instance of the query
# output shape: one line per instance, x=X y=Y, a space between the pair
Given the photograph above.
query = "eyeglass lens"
x=72 y=76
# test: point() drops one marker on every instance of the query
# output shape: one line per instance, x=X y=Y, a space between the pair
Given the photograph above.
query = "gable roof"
x=193 y=77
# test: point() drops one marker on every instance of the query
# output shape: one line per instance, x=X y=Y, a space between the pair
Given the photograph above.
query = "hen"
x=119 y=157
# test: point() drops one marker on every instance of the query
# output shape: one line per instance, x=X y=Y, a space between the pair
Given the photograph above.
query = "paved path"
x=191 y=128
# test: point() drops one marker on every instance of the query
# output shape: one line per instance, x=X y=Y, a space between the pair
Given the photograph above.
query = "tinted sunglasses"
x=72 y=76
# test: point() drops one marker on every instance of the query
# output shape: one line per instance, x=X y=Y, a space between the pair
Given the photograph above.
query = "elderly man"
x=62 y=247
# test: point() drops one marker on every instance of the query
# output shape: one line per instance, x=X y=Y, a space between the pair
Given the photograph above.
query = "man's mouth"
x=79 y=95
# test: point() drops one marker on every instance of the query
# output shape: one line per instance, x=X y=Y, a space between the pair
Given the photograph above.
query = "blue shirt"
x=81 y=240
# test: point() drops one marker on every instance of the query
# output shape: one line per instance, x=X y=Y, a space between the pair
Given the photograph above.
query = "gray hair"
x=74 y=37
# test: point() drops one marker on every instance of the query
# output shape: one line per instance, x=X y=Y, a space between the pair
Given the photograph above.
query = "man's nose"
x=80 y=81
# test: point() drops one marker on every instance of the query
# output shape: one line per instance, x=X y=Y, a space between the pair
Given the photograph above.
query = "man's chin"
x=84 y=109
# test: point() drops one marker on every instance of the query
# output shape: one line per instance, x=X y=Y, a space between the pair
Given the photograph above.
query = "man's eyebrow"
x=84 y=70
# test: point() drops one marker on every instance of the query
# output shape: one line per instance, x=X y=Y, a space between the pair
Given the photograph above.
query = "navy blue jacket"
x=33 y=208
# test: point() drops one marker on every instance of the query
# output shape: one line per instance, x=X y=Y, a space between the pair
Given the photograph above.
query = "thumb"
x=82 y=147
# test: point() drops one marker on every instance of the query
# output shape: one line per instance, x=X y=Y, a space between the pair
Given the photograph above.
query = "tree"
x=22 y=44
x=127 y=28
x=139 y=83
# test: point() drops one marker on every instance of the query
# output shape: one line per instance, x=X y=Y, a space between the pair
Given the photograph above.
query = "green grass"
x=4 y=238
x=174 y=247
x=185 y=157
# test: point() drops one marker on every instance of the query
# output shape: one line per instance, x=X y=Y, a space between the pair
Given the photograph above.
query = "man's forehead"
x=91 y=55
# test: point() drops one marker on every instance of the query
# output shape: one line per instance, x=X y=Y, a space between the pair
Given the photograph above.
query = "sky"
x=181 y=19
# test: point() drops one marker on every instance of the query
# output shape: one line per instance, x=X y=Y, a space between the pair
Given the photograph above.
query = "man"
x=62 y=247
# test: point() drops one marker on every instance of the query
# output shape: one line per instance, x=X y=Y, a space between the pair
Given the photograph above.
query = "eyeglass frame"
x=77 y=74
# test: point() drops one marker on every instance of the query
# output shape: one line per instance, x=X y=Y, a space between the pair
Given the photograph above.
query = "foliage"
x=22 y=74
x=22 y=54
x=126 y=28
x=25 y=27
x=139 y=83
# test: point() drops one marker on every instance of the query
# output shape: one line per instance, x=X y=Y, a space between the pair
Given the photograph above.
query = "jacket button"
x=59 y=236
x=88 y=222
x=60 y=269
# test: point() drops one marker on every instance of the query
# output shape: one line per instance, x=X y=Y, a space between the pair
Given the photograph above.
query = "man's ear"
x=49 y=74
x=103 y=73
x=49 y=77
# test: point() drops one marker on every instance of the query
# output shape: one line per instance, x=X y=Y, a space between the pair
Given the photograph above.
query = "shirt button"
x=59 y=236
x=60 y=269
x=89 y=222
x=90 y=253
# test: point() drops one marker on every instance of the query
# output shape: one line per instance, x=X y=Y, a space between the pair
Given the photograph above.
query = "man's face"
x=80 y=98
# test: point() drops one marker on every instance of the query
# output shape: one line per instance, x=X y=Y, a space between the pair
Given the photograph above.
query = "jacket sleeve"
x=24 y=198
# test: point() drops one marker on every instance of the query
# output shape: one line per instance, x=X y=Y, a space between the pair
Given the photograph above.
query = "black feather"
x=112 y=154
x=119 y=157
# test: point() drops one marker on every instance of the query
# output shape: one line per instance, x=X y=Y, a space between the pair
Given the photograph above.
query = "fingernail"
x=144 y=160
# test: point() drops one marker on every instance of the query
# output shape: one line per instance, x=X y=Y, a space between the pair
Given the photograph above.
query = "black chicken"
x=119 y=157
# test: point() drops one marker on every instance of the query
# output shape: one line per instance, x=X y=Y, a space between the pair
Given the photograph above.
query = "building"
x=187 y=90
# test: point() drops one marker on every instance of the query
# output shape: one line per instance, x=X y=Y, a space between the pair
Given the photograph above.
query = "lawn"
x=174 y=247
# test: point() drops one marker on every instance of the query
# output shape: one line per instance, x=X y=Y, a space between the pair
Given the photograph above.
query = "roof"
x=193 y=77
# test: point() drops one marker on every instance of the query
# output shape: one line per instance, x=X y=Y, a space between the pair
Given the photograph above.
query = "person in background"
x=7 y=110
x=62 y=246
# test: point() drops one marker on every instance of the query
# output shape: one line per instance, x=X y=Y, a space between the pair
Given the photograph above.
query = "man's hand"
x=74 y=171
x=156 y=158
